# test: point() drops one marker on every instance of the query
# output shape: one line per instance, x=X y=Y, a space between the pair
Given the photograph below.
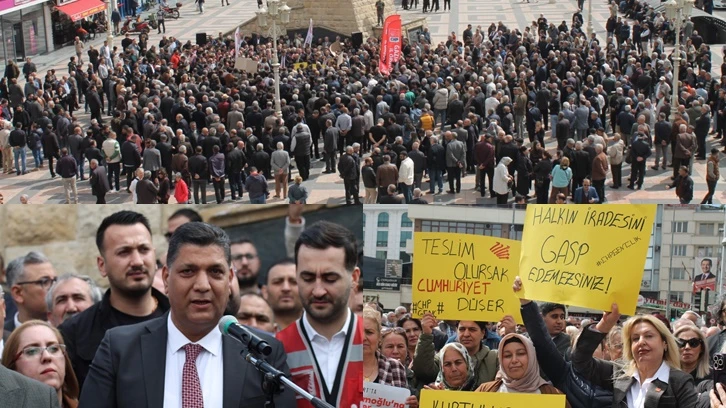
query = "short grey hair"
x=16 y=268
x=95 y=292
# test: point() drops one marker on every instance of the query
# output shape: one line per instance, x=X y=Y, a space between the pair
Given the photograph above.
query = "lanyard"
x=332 y=396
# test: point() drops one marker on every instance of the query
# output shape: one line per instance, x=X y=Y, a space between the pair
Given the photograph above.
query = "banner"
x=390 y=43
x=309 y=37
x=246 y=64
x=384 y=396
x=588 y=256
x=464 y=276
x=468 y=399
x=237 y=42
x=703 y=275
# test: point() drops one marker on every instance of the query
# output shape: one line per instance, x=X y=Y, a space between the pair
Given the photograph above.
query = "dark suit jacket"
x=128 y=370
x=679 y=392
x=19 y=391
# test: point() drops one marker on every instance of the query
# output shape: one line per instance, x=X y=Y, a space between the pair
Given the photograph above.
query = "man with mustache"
x=69 y=295
x=325 y=346
x=246 y=264
x=128 y=259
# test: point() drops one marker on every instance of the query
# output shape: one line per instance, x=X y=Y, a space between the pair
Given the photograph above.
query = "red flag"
x=390 y=43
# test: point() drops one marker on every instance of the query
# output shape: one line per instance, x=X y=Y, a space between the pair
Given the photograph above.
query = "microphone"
x=228 y=325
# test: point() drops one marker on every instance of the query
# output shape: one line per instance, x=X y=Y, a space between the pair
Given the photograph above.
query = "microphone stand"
x=274 y=379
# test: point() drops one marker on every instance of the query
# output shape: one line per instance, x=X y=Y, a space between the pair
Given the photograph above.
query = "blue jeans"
x=553 y=126
x=258 y=200
x=80 y=167
x=19 y=153
x=407 y=191
x=38 y=156
x=442 y=114
x=436 y=180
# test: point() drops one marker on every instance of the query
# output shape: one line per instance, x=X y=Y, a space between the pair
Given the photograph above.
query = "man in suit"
x=128 y=259
x=706 y=265
x=29 y=278
x=185 y=343
x=326 y=256
x=586 y=194
x=19 y=391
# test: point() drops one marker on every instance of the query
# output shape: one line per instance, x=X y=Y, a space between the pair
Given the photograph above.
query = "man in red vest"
x=325 y=346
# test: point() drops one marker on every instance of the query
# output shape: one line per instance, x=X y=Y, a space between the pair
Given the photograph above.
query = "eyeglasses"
x=45 y=282
x=691 y=342
x=240 y=257
x=388 y=330
x=32 y=352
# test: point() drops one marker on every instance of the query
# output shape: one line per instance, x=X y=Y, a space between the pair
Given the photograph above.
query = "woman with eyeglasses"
x=649 y=374
x=694 y=352
x=36 y=350
x=393 y=346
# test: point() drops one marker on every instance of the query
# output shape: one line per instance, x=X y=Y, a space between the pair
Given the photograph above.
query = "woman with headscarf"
x=501 y=180
x=457 y=369
x=518 y=369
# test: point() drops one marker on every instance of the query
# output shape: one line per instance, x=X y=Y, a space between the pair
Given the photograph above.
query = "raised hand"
x=516 y=287
x=609 y=319
x=428 y=322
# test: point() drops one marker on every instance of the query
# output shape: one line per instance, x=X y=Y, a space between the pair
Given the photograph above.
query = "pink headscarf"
x=531 y=381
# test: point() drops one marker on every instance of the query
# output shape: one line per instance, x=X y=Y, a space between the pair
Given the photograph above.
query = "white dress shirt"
x=210 y=367
x=636 y=393
x=328 y=353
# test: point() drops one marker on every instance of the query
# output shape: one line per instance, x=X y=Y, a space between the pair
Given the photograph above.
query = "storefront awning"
x=82 y=8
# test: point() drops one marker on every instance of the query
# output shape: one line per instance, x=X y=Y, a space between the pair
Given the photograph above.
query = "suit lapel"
x=153 y=356
x=234 y=372
x=655 y=391
x=12 y=394
x=620 y=391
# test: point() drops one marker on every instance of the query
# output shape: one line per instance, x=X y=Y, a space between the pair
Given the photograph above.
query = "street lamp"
x=109 y=25
x=276 y=10
x=678 y=10
x=589 y=20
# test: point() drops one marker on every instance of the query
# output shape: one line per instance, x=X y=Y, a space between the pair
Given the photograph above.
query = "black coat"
x=130 y=156
x=83 y=332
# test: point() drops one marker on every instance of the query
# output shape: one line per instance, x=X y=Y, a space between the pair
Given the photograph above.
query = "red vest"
x=305 y=373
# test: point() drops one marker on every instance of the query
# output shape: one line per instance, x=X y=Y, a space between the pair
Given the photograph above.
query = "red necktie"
x=191 y=388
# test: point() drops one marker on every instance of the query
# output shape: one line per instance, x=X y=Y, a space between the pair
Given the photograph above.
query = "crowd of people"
x=555 y=109
x=59 y=328
x=643 y=361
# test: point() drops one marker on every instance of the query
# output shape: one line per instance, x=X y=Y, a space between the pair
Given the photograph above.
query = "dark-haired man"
x=325 y=345
x=246 y=265
x=179 y=218
x=29 y=278
x=554 y=317
x=281 y=292
x=181 y=359
x=254 y=311
x=128 y=259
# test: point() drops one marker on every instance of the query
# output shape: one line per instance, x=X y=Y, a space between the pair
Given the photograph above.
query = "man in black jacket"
x=131 y=159
x=703 y=124
x=130 y=298
x=662 y=130
x=436 y=161
x=640 y=151
x=199 y=169
x=18 y=142
x=93 y=99
x=51 y=148
x=349 y=173
x=66 y=168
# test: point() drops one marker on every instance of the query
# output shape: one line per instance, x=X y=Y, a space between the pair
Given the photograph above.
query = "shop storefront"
x=25 y=29
x=69 y=15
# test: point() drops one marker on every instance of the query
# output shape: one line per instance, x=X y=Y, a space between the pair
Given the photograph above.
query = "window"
x=405 y=221
x=381 y=254
x=678 y=273
x=383 y=220
x=404 y=257
x=382 y=239
x=676 y=296
x=706 y=229
x=405 y=235
x=705 y=251
x=679 y=250
x=679 y=226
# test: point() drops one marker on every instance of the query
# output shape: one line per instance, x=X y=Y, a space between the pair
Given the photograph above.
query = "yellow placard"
x=586 y=255
x=468 y=399
x=464 y=277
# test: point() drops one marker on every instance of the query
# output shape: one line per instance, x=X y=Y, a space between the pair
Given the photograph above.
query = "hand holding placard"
x=609 y=320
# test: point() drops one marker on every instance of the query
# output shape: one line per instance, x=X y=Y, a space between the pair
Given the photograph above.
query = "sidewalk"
x=214 y=20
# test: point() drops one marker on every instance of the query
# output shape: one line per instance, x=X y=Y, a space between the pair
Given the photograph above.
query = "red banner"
x=390 y=43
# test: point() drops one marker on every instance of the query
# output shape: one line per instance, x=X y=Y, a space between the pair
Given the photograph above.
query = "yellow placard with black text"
x=586 y=255
x=468 y=399
x=464 y=276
